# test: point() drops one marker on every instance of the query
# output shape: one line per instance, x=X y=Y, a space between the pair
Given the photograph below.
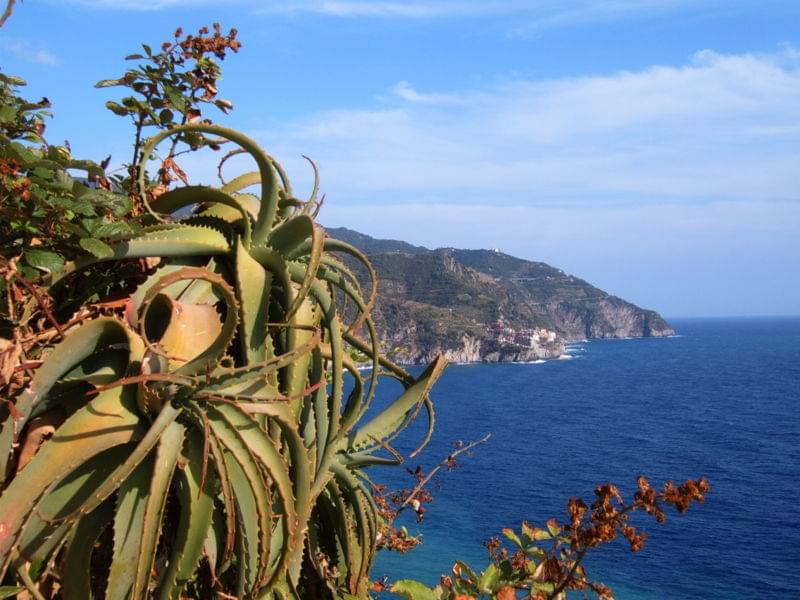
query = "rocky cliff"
x=486 y=306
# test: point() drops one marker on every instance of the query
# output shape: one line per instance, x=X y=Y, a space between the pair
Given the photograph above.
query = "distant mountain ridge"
x=487 y=306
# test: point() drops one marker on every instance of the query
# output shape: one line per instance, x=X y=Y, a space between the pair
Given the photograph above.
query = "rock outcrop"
x=486 y=306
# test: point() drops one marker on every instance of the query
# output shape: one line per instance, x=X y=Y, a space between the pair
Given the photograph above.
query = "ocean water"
x=721 y=400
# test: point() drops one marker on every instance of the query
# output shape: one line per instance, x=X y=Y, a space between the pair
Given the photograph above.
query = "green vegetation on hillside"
x=439 y=296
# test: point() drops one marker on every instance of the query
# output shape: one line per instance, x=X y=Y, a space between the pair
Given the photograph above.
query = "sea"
x=721 y=399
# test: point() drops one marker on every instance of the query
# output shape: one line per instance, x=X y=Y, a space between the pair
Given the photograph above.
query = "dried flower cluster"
x=547 y=563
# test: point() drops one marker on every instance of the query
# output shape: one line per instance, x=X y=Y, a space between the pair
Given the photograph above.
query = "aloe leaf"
x=166 y=458
x=228 y=502
x=98 y=369
x=176 y=240
x=373 y=349
x=41 y=535
x=252 y=386
x=277 y=265
x=288 y=236
x=179 y=198
x=76 y=579
x=165 y=418
x=253 y=286
x=128 y=518
x=330 y=319
x=342 y=521
x=332 y=514
x=332 y=245
x=392 y=369
x=243 y=181
x=386 y=424
x=355 y=398
x=364 y=519
x=297 y=376
x=250 y=492
x=431 y=411
x=77 y=346
x=295 y=496
x=107 y=421
x=196 y=499
x=269 y=187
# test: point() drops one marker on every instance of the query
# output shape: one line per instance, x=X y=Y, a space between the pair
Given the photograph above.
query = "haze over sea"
x=719 y=400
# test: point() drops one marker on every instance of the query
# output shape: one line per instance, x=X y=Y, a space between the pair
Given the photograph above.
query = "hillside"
x=483 y=305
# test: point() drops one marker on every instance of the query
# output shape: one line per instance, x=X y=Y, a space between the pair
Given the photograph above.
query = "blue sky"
x=649 y=146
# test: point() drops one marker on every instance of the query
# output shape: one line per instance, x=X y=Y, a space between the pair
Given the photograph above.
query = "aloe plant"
x=214 y=437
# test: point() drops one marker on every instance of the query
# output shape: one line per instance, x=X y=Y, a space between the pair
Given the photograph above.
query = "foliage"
x=48 y=216
x=183 y=415
x=203 y=429
x=202 y=407
x=169 y=89
x=547 y=563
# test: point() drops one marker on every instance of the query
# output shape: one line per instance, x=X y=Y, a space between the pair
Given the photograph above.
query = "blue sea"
x=721 y=400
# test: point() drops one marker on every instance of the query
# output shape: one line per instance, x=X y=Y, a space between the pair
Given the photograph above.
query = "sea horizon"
x=718 y=401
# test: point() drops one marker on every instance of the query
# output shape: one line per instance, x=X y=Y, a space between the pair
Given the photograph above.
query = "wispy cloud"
x=718 y=127
x=538 y=13
x=530 y=16
x=404 y=90
x=152 y=5
x=29 y=51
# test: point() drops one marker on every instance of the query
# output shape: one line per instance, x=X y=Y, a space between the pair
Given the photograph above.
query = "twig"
x=438 y=467
x=7 y=12
x=27 y=285
x=28 y=582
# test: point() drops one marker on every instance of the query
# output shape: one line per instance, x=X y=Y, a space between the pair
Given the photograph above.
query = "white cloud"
x=530 y=16
x=30 y=52
x=406 y=92
x=720 y=127
x=149 y=5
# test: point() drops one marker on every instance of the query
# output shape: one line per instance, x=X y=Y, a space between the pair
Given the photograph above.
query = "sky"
x=651 y=147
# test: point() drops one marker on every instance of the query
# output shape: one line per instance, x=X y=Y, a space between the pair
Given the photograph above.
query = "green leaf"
x=553 y=527
x=527 y=532
x=128 y=531
x=166 y=116
x=103 y=83
x=44 y=260
x=413 y=590
x=540 y=535
x=385 y=424
x=9 y=591
x=96 y=247
x=8 y=114
x=101 y=228
x=134 y=56
x=117 y=109
x=111 y=422
x=511 y=535
x=117 y=204
x=196 y=498
x=489 y=579
x=12 y=80
x=177 y=101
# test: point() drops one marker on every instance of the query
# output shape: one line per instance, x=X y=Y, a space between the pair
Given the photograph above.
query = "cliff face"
x=486 y=306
